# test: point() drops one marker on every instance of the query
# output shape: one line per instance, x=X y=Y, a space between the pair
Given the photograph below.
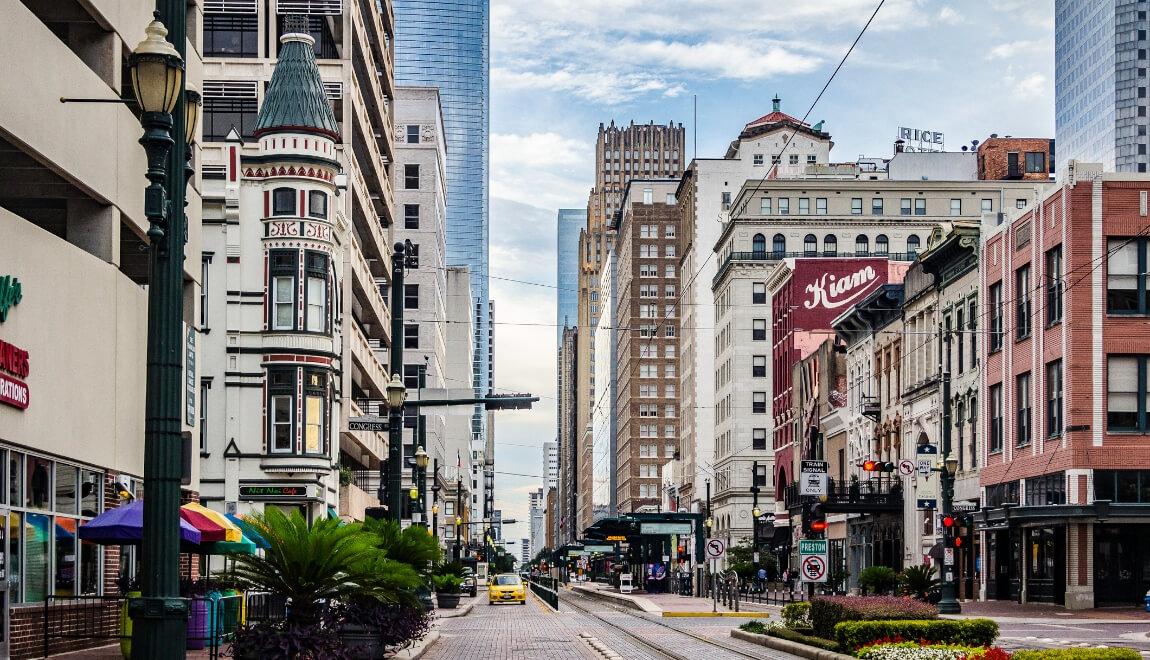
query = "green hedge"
x=797 y=615
x=828 y=611
x=1077 y=654
x=793 y=636
x=757 y=627
x=851 y=635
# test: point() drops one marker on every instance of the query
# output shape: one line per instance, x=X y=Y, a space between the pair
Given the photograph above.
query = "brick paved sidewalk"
x=1004 y=609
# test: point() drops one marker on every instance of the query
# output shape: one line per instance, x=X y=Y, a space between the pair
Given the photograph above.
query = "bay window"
x=283 y=201
x=315 y=412
x=281 y=389
x=317 y=204
x=282 y=268
x=317 y=291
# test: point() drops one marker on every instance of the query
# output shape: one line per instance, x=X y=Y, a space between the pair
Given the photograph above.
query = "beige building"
x=647 y=359
x=74 y=271
x=242 y=43
x=621 y=154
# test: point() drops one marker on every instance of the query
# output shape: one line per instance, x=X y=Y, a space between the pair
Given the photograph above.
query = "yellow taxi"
x=506 y=588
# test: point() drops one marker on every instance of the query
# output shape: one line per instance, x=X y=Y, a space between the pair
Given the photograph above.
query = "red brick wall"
x=992 y=157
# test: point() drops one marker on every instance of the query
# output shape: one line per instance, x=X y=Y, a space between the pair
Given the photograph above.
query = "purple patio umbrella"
x=124 y=525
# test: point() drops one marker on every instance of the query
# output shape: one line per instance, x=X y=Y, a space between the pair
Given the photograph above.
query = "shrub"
x=878 y=580
x=447 y=584
x=1077 y=654
x=827 y=611
x=798 y=637
x=918 y=581
x=287 y=640
x=756 y=626
x=797 y=615
x=398 y=625
x=852 y=635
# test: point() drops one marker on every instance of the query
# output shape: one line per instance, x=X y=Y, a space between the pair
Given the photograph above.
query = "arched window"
x=862 y=245
x=830 y=245
x=759 y=243
x=810 y=245
x=283 y=201
x=779 y=245
x=881 y=245
x=912 y=246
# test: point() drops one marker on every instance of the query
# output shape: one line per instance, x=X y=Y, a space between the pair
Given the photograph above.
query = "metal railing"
x=547 y=589
x=869 y=494
x=770 y=593
x=771 y=255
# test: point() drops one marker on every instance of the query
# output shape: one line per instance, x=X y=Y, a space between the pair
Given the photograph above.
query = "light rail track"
x=570 y=599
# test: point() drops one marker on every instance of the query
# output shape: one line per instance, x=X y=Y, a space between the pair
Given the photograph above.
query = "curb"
x=417 y=651
x=794 y=648
x=456 y=612
x=637 y=603
x=745 y=614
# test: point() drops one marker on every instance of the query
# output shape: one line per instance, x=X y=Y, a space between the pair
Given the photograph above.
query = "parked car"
x=506 y=588
x=469 y=586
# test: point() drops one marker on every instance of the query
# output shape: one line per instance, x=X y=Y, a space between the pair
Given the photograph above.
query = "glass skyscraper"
x=1100 y=81
x=445 y=44
x=567 y=268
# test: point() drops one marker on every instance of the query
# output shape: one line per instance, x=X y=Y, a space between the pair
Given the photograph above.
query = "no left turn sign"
x=906 y=467
x=814 y=568
x=716 y=548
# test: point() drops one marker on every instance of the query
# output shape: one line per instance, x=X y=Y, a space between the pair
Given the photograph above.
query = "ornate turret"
x=296 y=101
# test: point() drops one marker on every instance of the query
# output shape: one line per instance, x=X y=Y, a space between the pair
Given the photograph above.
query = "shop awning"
x=249 y=530
x=124 y=525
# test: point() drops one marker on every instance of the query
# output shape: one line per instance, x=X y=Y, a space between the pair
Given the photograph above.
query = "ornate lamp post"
x=420 y=481
x=157 y=73
x=391 y=488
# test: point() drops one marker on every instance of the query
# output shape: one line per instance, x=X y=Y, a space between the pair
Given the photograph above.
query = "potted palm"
x=447 y=588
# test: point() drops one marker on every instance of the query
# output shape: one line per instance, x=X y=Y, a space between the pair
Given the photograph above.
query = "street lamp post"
x=419 y=480
x=755 y=513
x=949 y=589
x=390 y=493
x=435 y=499
x=157 y=71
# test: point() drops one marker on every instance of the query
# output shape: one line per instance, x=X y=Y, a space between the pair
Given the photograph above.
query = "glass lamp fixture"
x=192 y=104
x=421 y=458
x=756 y=512
x=157 y=70
x=396 y=392
x=951 y=465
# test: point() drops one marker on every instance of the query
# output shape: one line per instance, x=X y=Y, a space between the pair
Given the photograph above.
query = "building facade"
x=621 y=154
x=1064 y=415
x=604 y=420
x=565 y=520
x=646 y=376
x=568 y=225
x=447 y=45
x=1100 y=83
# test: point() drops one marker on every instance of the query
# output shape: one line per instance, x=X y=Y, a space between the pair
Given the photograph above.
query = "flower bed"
x=853 y=635
x=913 y=651
x=828 y=611
x=1077 y=654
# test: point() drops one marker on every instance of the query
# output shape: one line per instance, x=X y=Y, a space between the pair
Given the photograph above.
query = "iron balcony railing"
x=865 y=496
x=771 y=255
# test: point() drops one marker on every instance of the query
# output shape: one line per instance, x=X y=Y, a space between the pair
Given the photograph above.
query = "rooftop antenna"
x=695 y=129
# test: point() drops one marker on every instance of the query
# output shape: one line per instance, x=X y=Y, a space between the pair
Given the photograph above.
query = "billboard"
x=824 y=288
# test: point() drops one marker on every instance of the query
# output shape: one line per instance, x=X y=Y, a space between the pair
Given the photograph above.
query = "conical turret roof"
x=295 y=99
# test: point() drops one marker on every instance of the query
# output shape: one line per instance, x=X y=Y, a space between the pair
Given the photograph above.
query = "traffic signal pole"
x=949 y=603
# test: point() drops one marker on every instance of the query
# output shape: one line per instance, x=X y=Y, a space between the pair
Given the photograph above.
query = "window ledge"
x=1023 y=445
x=994 y=452
x=1023 y=338
x=1054 y=323
x=1128 y=431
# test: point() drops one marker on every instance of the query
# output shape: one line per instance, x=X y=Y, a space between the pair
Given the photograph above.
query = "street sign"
x=813 y=478
x=927 y=449
x=948 y=556
x=813 y=560
x=927 y=503
x=906 y=467
x=964 y=507
x=924 y=466
x=366 y=424
x=665 y=528
x=716 y=548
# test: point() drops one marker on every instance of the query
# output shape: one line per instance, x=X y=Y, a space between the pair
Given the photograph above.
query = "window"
x=759 y=403
x=995 y=317
x=784 y=206
x=205 y=263
x=959 y=345
x=820 y=206
x=1126 y=276
x=411 y=335
x=1022 y=302
x=411 y=216
x=317 y=291
x=904 y=206
x=830 y=245
x=413 y=134
x=411 y=176
x=987 y=205
x=779 y=245
x=669 y=371
x=649 y=410
x=765 y=206
x=856 y=206
x=726 y=200
x=758 y=293
x=881 y=245
x=1127 y=393
x=804 y=205
x=282 y=270
x=283 y=201
x=230 y=105
x=411 y=296
x=1054 y=285
x=649 y=196
x=876 y=206
x=759 y=366
x=972 y=325
x=669 y=230
x=1054 y=399
x=758 y=159
x=811 y=159
x=996 y=418
x=956 y=207
x=314 y=412
x=862 y=245
x=919 y=206
x=669 y=331
x=1020 y=203
x=810 y=246
x=759 y=329
x=669 y=250
x=231 y=35
x=669 y=391
x=205 y=385
x=759 y=439
x=670 y=410
x=1035 y=162
x=1022 y=403
x=281 y=386
x=793 y=159
x=648 y=371
x=669 y=272
x=912 y=246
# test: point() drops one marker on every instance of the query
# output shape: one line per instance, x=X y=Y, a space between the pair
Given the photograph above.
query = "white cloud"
x=725 y=59
x=1032 y=85
x=537 y=150
x=608 y=87
x=1013 y=49
x=948 y=15
x=544 y=170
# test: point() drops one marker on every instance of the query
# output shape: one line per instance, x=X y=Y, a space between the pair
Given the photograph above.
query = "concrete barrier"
x=787 y=646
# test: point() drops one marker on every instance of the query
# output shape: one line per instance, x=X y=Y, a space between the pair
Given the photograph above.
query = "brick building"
x=1007 y=158
x=645 y=304
x=1065 y=392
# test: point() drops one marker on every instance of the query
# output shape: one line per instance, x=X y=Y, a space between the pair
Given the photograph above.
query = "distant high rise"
x=1100 y=82
x=446 y=45
x=567 y=271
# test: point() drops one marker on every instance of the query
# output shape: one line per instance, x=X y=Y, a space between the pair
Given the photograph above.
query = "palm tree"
x=327 y=560
x=414 y=545
x=918 y=581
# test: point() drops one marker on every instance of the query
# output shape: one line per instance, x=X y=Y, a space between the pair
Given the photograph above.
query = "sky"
x=967 y=68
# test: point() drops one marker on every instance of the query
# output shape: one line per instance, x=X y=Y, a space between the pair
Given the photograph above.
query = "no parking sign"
x=813 y=560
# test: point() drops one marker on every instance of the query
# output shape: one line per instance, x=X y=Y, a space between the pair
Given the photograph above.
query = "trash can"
x=1146 y=600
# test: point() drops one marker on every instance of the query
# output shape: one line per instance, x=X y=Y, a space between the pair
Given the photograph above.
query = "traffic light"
x=878 y=466
x=950 y=532
x=818 y=518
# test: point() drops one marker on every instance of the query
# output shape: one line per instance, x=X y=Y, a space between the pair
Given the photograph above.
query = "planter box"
x=447 y=601
x=362 y=643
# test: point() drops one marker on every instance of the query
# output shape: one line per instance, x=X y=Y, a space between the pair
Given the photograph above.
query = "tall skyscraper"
x=567 y=268
x=622 y=153
x=446 y=45
x=1100 y=82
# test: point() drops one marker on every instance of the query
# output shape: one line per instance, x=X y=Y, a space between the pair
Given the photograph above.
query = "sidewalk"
x=669 y=605
x=1040 y=613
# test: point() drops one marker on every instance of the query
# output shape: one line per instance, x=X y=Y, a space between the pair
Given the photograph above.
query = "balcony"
x=766 y=257
x=867 y=496
x=363 y=355
x=871 y=408
x=376 y=315
x=356 y=443
x=354 y=500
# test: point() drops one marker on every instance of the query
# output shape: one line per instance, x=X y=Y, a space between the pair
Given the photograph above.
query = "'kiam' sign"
x=823 y=288
x=11 y=291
